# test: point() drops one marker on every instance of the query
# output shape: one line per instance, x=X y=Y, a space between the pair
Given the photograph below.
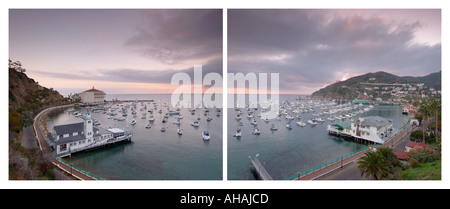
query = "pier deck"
x=259 y=169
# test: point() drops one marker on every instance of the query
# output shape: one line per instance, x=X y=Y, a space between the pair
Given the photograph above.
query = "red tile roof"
x=415 y=145
x=402 y=155
x=94 y=90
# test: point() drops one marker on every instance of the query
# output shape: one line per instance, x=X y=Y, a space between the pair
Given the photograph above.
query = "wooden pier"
x=259 y=169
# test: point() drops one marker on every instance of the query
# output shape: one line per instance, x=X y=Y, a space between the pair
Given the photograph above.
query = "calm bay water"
x=152 y=154
x=285 y=152
x=156 y=155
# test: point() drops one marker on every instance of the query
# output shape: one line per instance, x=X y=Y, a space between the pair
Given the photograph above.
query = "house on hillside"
x=411 y=146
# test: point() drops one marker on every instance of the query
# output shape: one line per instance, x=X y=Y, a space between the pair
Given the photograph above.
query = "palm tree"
x=391 y=158
x=435 y=106
x=425 y=111
x=374 y=164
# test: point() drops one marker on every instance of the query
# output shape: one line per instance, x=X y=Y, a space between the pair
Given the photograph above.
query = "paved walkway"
x=45 y=148
x=28 y=140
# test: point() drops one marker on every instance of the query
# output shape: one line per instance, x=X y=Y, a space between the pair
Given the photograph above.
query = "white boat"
x=289 y=117
x=238 y=133
x=320 y=119
x=266 y=119
x=256 y=131
x=148 y=126
x=133 y=122
x=180 y=131
x=238 y=117
x=273 y=128
x=208 y=118
x=163 y=129
x=206 y=135
x=312 y=122
x=301 y=123
x=151 y=118
x=254 y=123
x=195 y=124
x=173 y=112
x=289 y=126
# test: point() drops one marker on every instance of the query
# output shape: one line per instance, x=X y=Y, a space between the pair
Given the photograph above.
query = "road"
x=28 y=140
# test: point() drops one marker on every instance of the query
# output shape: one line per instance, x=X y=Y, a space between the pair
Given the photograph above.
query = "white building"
x=75 y=137
x=372 y=129
x=92 y=96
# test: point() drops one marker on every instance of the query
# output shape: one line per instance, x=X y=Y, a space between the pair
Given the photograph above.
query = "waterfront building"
x=409 y=110
x=76 y=137
x=92 y=97
x=373 y=129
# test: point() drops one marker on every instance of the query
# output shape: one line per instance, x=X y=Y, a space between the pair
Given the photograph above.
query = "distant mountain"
x=432 y=80
x=353 y=88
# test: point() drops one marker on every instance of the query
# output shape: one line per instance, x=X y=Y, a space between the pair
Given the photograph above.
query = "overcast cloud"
x=177 y=35
x=311 y=50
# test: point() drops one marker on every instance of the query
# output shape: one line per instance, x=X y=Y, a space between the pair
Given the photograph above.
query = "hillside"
x=27 y=94
x=25 y=97
x=380 y=84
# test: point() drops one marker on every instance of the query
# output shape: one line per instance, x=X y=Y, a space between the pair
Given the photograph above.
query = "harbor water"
x=152 y=154
x=156 y=155
x=286 y=152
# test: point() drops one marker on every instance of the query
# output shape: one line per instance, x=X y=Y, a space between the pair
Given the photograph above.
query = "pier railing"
x=324 y=165
x=79 y=169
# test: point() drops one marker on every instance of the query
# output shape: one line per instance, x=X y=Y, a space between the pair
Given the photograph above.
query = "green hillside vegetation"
x=424 y=164
x=427 y=171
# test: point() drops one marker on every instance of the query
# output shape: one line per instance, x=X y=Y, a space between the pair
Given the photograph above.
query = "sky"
x=311 y=49
x=123 y=51
x=119 y=51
